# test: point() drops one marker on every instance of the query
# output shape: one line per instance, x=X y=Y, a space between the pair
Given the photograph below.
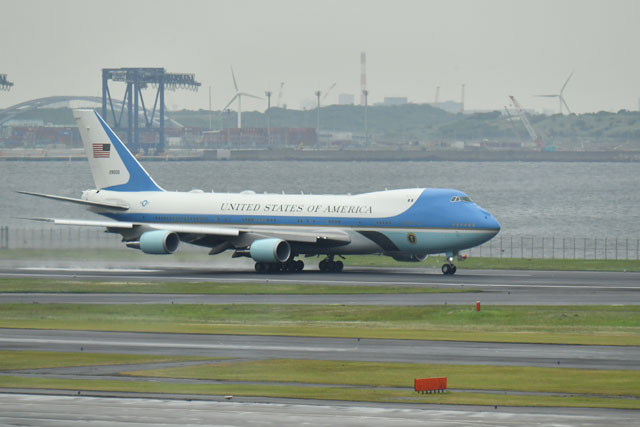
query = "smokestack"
x=363 y=76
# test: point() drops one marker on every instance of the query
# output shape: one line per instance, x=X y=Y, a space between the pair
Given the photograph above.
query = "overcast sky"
x=497 y=48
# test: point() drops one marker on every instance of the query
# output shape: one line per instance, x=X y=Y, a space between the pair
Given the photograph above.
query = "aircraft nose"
x=493 y=224
x=489 y=222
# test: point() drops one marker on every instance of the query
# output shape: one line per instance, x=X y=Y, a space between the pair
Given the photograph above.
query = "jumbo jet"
x=272 y=229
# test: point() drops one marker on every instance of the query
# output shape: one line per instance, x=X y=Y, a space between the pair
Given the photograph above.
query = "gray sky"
x=496 y=48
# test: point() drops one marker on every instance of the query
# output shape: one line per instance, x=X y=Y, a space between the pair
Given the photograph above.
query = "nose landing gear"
x=449 y=267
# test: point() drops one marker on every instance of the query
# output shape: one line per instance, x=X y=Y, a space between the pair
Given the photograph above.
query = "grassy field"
x=115 y=256
x=321 y=393
x=377 y=374
x=27 y=285
x=603 y=325
x=483 y=263
x=12 y=360
x=334 y=380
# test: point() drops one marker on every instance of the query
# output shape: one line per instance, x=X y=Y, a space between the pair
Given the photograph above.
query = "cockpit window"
x=461 y=199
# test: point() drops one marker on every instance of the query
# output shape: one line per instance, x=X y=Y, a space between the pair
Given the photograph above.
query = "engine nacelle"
x=159 y=242
x=270 y=250
x=409 y=257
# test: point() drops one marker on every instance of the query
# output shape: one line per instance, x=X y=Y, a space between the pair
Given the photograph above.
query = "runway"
x=63 y=411
x=494 y=287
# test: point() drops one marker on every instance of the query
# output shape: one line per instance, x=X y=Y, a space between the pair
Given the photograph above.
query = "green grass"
x=604 y=325
x=322 y=393
x=27 y=285
x=11 y=360
x=379 y=374
x=483 y=263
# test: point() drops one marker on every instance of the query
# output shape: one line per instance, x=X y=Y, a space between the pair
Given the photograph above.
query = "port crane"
x=326 y=92
x=532 y=132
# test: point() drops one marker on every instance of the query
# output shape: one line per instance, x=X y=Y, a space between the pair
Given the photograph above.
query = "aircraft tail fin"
x=112 y=165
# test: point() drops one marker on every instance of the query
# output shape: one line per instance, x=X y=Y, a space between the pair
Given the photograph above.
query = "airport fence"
x=502 y=246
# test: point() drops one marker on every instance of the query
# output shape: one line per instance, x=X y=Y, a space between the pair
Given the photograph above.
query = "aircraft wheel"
x=453 y=270
x=324 y=264
x=274 y=267
x=446 y=269
x=261 y=267
x=299 y=265
x=338 y=266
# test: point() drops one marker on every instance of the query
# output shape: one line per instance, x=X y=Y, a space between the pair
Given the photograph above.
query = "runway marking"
x=173 y=345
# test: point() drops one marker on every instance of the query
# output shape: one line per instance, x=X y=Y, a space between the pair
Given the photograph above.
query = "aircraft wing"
x=110 y=224
x=307 y=236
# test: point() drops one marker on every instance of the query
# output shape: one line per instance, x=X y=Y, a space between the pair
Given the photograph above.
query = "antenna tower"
x=363 y=76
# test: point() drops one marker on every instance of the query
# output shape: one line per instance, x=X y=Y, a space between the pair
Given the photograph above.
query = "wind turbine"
x=561 y=100
x=239 y=96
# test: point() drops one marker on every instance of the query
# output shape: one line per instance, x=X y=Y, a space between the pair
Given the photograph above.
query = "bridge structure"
x=137 y=79
x=16 y=110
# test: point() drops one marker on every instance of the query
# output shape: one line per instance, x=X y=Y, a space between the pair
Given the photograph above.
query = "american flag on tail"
x=101 y=150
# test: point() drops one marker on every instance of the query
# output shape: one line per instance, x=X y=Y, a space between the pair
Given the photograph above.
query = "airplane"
x=272 y=229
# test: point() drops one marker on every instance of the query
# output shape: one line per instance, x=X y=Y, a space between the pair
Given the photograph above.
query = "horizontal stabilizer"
x=120 y=206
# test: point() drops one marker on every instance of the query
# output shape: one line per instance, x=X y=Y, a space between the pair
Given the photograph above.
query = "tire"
x=323 y=265
x=299 y=265
x=338 y=266
x=274 y=268
x=261 y=267
x=453 y=270
x=446 y=269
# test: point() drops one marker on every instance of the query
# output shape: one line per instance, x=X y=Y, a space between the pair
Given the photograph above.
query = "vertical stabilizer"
x=112 y=165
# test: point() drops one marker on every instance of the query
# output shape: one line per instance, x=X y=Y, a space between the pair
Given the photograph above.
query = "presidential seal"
x=411 y=238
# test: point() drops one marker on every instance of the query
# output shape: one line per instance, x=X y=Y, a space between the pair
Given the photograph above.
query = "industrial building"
x=244 y=138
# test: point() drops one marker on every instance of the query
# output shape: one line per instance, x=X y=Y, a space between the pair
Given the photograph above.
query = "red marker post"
x=477 y=305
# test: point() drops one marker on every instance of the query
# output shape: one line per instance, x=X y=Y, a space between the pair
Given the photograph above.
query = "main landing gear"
x=328 y=265
x=290 y=266
x=449 y=267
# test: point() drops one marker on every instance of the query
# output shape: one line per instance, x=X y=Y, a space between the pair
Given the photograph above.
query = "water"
x=531 y=199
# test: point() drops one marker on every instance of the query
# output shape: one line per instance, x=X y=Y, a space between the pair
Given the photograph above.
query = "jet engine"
x=158 y=242
x=270 y=250
x=409 y=257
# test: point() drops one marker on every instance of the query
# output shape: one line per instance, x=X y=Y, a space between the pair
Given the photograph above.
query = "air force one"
x=272 y=229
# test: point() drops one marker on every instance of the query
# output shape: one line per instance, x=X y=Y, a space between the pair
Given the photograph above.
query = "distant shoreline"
x=363 y=156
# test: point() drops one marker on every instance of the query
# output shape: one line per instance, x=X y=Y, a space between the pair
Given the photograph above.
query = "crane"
x=510 y=119
x=326 y=92
x=532 y=132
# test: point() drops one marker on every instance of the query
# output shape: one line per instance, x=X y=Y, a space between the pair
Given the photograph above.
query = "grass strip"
x=28 y=285
x=322 y=393
x=383 y=374
x=485 y=263
x=604 y=325
x=12 y=360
